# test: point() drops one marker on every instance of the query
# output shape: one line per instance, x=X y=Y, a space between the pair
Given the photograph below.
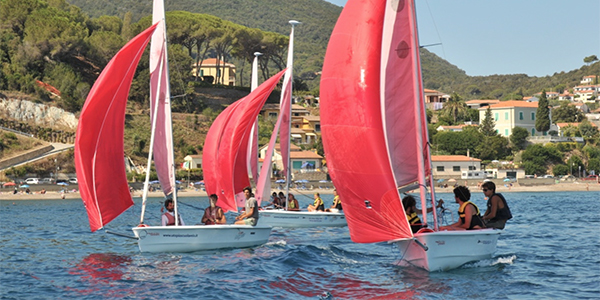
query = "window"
x=440 y=168
x=532 y=131
x=472 y=168
x=272 y=115
x=506 y=116
x=506 y=132
x=297 y=165
x=520 y=115
x=456 y=168
x=496 y=116
x=318 y=127
x=533 y=116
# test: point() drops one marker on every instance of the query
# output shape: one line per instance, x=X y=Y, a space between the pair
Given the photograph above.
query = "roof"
x=571 y=124
x=213 y=62
x=481 y=101
x=312 y=118
x=513 y=103
x=453 y=158
x=304 y=154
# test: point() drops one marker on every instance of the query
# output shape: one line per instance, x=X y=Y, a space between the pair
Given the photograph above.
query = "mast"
x=287 y=84
x=252 y=159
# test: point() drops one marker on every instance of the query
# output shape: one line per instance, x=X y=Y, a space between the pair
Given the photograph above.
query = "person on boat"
x=318 y=205
x=250 y=214
x=497 y=212
x=293 y=203
x=468 y=212
x=213 y=214
x=337 y=203
x=168 y=218
x=412 y=213
x=276 y=202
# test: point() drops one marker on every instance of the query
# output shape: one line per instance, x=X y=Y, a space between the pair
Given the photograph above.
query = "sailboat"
x=375 y=139
x=283 y=217
x=99 y=153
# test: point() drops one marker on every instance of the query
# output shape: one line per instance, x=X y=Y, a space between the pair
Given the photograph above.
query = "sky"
x=487 y=37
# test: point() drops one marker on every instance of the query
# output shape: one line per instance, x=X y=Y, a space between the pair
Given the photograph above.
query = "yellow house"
x=510 y=114
x=210 y=73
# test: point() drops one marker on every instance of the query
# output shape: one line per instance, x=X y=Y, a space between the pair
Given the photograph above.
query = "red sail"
x=371 y=110
x=99 y=157
x=226 y=144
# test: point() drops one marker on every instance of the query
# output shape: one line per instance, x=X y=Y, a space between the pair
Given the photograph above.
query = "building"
x=510 y=114
x=586 y=93
x=435 y=100
x=452 y=166
x=453 y=128
x=590 y=79
x=211 y=70
x=477 y=104
x=193 y=161
x=302 y=161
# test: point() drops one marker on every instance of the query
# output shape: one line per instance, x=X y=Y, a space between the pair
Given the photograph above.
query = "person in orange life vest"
x=213 y=214
x=410 y=207
x=168 y=218
x=468 y=213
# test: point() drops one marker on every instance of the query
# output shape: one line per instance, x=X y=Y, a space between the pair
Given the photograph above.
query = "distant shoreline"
x=558 y=187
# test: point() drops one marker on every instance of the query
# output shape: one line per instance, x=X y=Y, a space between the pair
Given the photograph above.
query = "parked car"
x=548 y=176
x=73 y=180
x=529 y=176
x=591 y=177
x=32 y=180
x=567 y=178
x=47 y=181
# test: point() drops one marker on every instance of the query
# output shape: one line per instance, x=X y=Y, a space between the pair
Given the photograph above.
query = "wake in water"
x=500 y=260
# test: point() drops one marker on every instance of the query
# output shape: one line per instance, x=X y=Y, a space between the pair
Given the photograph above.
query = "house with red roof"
x=510 y=114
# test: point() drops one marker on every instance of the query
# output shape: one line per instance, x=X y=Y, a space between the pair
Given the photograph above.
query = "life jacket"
x=170 y=219
x=502 y=213
x=213 y=214
x=291 y=204
x=414 y=218
x=475 y=219
x=337 y=203
x=319 y=204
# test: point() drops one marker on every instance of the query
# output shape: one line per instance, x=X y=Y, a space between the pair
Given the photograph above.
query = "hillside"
x=318 y=19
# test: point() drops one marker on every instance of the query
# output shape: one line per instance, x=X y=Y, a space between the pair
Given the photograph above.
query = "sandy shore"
x=559 y=187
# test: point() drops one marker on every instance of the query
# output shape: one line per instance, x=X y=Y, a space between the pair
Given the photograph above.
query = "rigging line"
x=436 y=29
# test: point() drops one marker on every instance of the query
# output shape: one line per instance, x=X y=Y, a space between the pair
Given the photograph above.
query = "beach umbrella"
x=280 y=181
x=323 y=181
x=24 y=186
x=9 y=184
x=440 y=180
x=62 y=183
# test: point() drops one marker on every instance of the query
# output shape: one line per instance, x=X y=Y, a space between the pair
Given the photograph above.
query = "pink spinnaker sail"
x=371 y=115
x=226 y=145
x=99 y=143
x=160 y=91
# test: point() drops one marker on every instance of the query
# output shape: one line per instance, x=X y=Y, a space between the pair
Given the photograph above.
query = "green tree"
x=594 y=165
x=559 y=170
x=457 y=143
x=590 y=59
x=567 y=113
x=518 y=137
x=487 y=126
x=536 y=158
x=588 y=130
x=542 y=120
x=493 y=147
x=455 y=108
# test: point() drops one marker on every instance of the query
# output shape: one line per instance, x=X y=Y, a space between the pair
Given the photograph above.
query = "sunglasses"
x=485 y=190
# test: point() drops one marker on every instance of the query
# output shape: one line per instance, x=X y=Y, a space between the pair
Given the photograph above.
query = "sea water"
x=549 y=250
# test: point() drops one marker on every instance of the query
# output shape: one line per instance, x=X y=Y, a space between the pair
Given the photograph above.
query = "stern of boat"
x=199 y=237
x=445 y=250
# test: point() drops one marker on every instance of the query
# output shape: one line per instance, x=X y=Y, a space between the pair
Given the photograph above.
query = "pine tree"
x=542 y=120
x=487 y=126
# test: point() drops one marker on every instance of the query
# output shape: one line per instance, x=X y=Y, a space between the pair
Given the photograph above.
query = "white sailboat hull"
x=199 y=237
x=301 y=219
x=448 y=249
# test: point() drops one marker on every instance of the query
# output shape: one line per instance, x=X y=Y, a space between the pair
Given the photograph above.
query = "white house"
x=446 y=166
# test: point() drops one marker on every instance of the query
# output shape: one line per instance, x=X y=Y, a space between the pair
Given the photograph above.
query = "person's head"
x=409 y=202
x=169 y=205
x=462 y=193
x=292 y=197
x=213 y=199
x=317 y=195
x=334 y=192
x=281 y=195
x=274 y=194
x=488 y=187
x=248 y=192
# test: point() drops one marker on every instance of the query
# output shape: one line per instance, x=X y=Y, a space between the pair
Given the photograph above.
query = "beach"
x=576 y=186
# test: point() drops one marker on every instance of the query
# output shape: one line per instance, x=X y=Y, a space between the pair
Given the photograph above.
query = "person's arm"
x=491 y=212
x=181 y=223
x=164 y=220
x=205 y=216
x=221 y=217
